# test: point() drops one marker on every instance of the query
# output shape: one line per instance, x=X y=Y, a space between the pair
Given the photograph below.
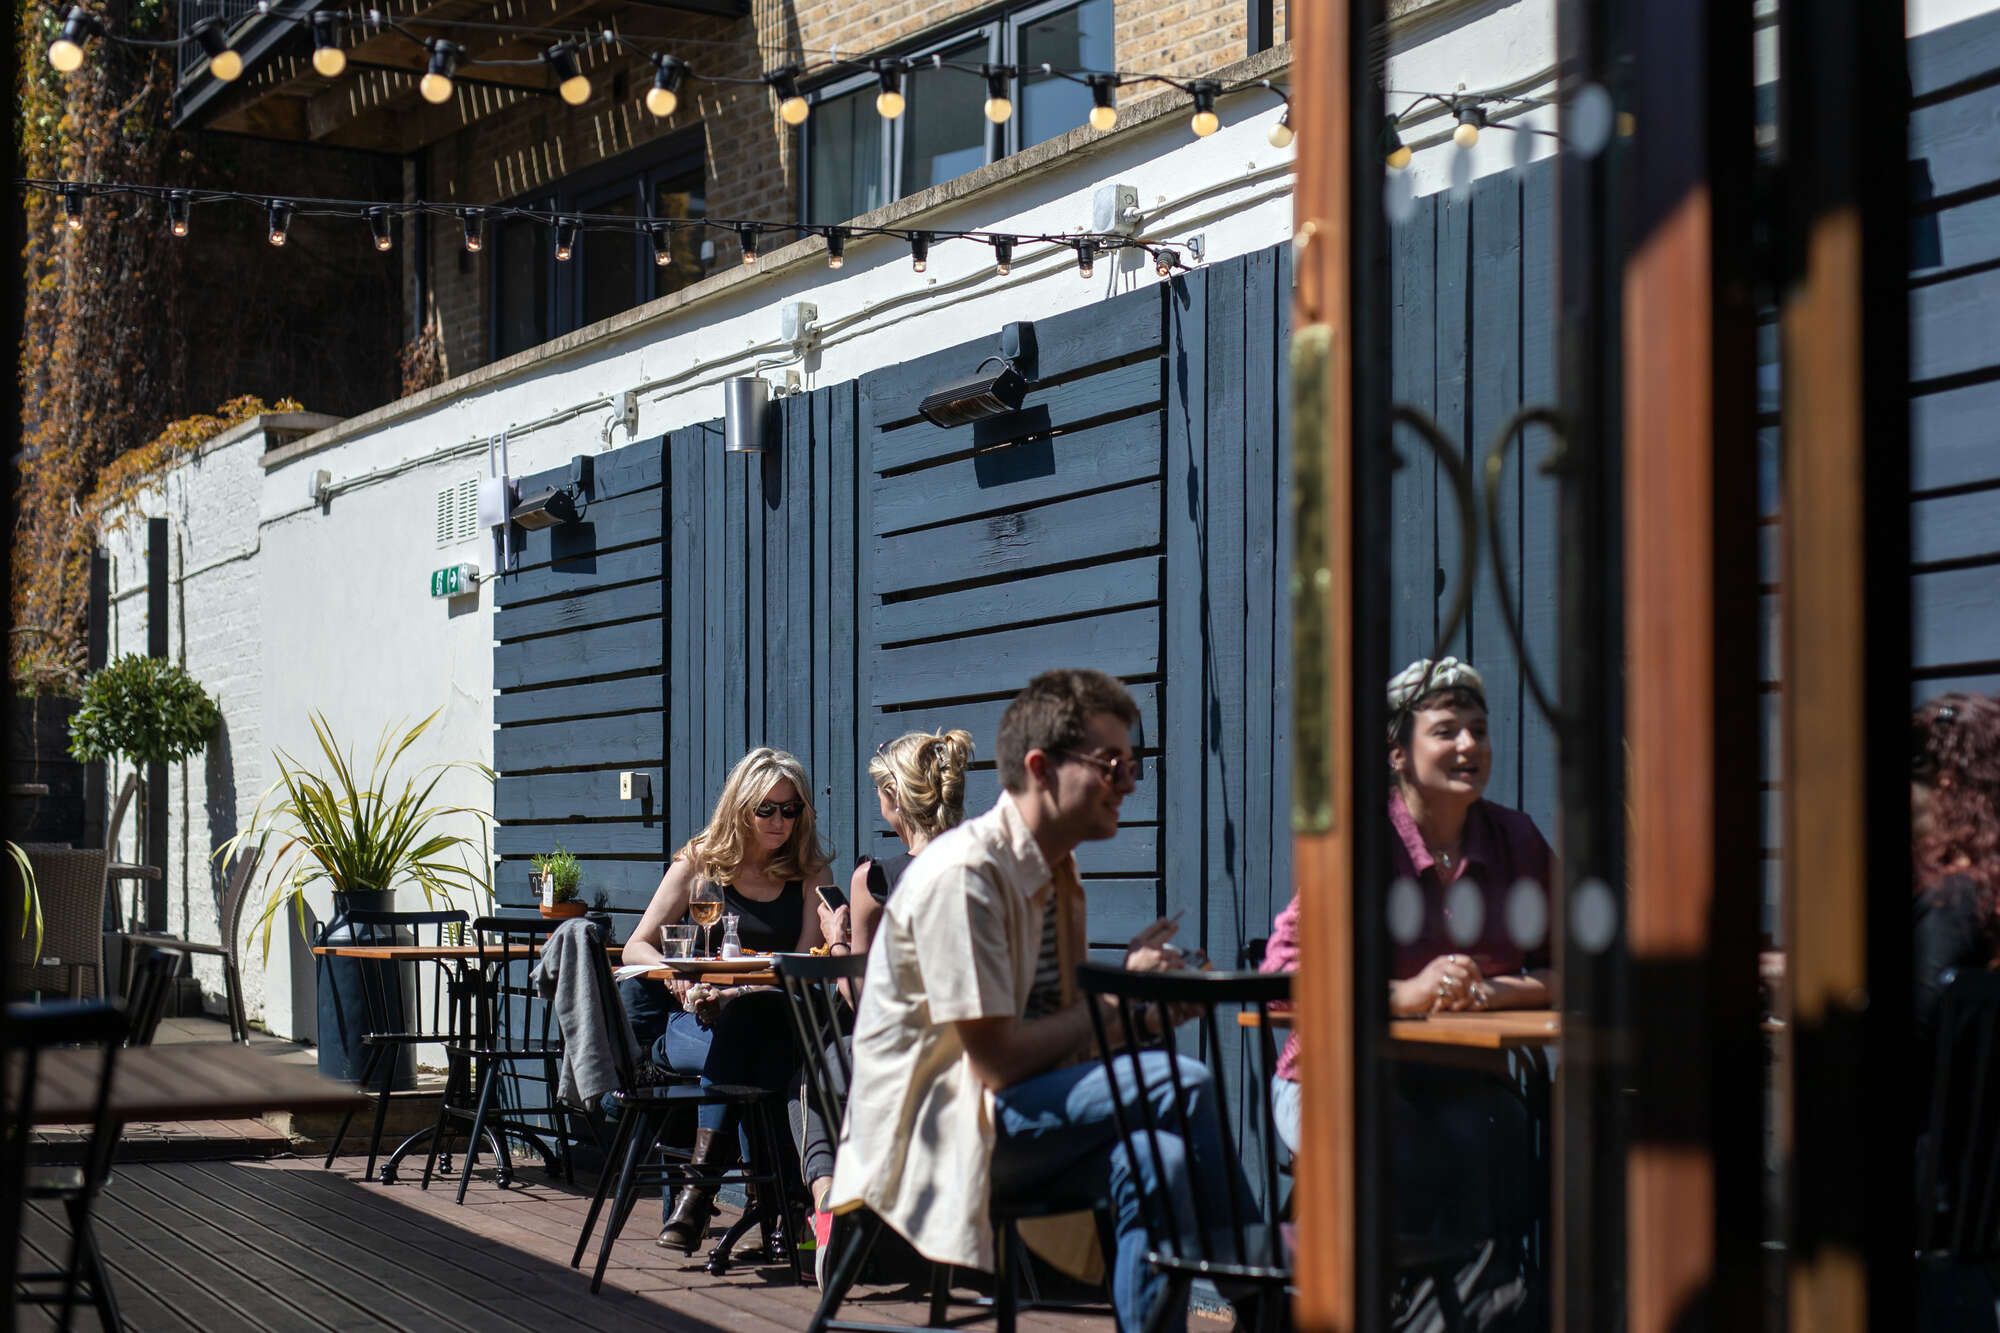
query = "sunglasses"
x=787 y=810
x=1117 y=770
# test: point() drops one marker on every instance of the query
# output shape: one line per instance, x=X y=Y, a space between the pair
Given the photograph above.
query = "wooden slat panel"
x=634 y=646
x=843 y=620
x=579 y=574
x=1125 y=326
x=1109 y=524
x=1120 y=909
x=1413 y=586
x=1453 y=334
x=627 y=741
x=1538 y=562
x=1955 y=436
x=551 y=796
x=636 y=839
x=1495 y=395
x=1952 y=55
x=1951 y=324
x=627 y=694
x=1142 y=803
x=599 y=606
x=686 y=628
x=629 y=882
x=1953 y=618
x=1113 y=393
x=604 y=525
x=1965 y=234
x=1124 y=643
x=1956 y=137
x=1121 y=583
x=1183 y=733
x=1221 y=893
x=1957 y=527
x=1266 y=298
x=1026 y=471
x=982 y=719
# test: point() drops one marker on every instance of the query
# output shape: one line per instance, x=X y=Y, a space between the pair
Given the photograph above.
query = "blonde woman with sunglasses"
x=762 y=848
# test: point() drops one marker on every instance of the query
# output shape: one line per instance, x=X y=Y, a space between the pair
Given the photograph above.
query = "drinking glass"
x=677 y=941
x=705 y=907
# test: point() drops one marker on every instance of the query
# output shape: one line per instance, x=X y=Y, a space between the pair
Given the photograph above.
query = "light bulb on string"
x=792 y=106
x=1086 y=257
x=566 y=234
x=1471 y=118
x=223 y=61
x=665 y=94
x=748 y=238
x=1280 y=135
x=72 y=200
x=177 y=212
x=278 y=217
x=329 y=61
x=1103 y=113
x=663 y=244
x=436 y=83
x=66 y=51
x=1395 y=152
x=1003 y=255
x=474 y=221
x=1165 y=262
x=1204 y=122
x=889 y=103
x=378 y=227
x=920 y=252
x=571 y=85
x=836 y=246
x=999 y=107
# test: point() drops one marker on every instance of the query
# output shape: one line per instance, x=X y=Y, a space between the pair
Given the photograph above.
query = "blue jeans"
x=751 y=1043
x=1056 y=1132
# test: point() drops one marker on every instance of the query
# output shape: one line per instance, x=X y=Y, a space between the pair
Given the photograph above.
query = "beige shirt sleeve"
x=962 y=952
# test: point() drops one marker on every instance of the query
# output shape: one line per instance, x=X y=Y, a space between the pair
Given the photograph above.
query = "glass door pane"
x=1075 y=38
x=844 y=157
x=944 y=131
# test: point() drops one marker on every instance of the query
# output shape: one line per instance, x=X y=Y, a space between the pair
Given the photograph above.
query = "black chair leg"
x=846 y=1267
x=558 y=1118
x=232 y=994
x=605 y=1177
x=72 y=1272
x=940 y=1294
x=340 y=1134
x=388 y=1063
x=444 y=1114
x=101 y=1294
x=1004 y=1305
x=637 y=1146
x=488 y=1078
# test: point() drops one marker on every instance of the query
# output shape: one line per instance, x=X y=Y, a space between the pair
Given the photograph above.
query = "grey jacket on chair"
x=569 y=978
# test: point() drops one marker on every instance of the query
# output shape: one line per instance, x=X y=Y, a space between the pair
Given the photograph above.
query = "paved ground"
x=282 y=1244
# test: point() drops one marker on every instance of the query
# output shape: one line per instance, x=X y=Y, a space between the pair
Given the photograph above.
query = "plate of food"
x=700 y=967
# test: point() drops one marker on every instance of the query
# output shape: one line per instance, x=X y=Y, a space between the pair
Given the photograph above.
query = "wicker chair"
x=70 y=883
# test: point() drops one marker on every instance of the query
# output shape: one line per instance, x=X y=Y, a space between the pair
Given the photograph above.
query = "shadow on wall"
x=305 y=976
x=219 y=778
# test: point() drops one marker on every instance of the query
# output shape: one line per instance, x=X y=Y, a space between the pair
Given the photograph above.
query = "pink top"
x=1281 y=954
x=1500 y=848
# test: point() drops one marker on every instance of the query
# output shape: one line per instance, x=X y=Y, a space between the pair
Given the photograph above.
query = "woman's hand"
x=1448 y=982
x=833 y=923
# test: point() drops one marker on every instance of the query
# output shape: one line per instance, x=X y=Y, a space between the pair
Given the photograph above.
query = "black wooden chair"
x=642 y=1113
x=814 y=986
x=393 y=1010
x=30 y=1030
x=149 y=985
x=1243 y=1250
x=515 y=1042
x=1958 y=1160
x=229 y=918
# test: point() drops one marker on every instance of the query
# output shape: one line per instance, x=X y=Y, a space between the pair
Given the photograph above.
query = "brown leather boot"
x=688 y=1223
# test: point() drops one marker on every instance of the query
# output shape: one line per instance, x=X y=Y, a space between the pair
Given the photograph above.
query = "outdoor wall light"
x=792 y=107
x=986 y=394
x=746 y=410
x=1003 y=255
x=223 y=62
x=998 y=107
x=279 y=218
x=378 y=227
x=66 y=51
x=920 y=252
x=665 y=94
x=889 y=103
x=475 y=228
x=177 y=212
x=1204 y=122
x=436 y=83
x=545 y=508
x=1103 y=115
x=1086 y=256
x=328 y=59
x=571 y=85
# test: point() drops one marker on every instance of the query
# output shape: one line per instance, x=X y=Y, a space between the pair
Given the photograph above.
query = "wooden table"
x=195 y=1081
x=674 y=971
x=1500 y=1030
x=434 y=953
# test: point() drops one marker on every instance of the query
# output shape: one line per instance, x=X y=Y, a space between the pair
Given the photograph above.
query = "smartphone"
x=832 y=897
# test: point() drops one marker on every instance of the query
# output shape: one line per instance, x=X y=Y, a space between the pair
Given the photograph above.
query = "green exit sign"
x=454 y=580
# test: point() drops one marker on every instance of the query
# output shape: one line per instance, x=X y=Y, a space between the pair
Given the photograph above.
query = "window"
x=855 y=161
x=534 y=298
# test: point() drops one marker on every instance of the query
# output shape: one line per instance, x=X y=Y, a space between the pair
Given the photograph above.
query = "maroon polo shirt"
x=1501 y=846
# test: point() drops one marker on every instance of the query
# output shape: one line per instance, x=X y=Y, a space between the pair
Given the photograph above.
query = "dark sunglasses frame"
x=789 y=809
x=1110 y=768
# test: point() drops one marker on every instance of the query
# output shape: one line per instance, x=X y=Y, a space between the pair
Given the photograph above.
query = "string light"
x=571 y=85
x=1103 y=114
x=663 y=246
x=66 y=51
x=475 y=229
x=1204 y=122
x=836 y=246
x=1165 y=262
x=889 y=103
x=1394 y=151
x=792 y=108
x=72 y=198
x=1471 y=118
x=566 y=233
x=748 y=236
x=998 y=107
x=1003 y=256
x=665 y=94
x=1281 y=133
x=1086 y=255
x=223 y=61
x=436 y=83
x=278 y=219
x=920 y=252
x=329 y=61
x=378 y=227
x=177 y=213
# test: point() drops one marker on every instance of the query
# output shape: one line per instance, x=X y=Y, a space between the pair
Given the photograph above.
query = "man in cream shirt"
x=975 y=1076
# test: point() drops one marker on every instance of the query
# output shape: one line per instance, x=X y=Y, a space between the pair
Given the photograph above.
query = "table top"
x=431 y=953
x=748 y=977
x=27 y=789
x=1503 y=1030
x=191 y=1081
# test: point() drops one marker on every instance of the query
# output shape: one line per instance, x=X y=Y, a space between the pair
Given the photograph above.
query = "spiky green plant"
x=31 y=904
x=357 y=836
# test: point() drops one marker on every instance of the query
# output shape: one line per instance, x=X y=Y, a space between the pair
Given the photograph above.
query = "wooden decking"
x=283 y=1244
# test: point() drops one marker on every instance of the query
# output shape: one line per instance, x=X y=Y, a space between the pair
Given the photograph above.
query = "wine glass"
x=705 y=907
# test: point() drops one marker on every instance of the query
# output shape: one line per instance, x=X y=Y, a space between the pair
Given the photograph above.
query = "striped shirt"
x=1045 y=995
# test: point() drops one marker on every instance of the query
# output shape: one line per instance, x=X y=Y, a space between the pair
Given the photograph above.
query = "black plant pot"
x=355 y=995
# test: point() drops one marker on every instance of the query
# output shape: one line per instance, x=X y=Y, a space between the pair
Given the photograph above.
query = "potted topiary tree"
x=361 y=838
x=560 y=884
x=144 y=711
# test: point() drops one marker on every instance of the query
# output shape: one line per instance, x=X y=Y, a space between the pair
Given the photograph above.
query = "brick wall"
x=531 y=142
